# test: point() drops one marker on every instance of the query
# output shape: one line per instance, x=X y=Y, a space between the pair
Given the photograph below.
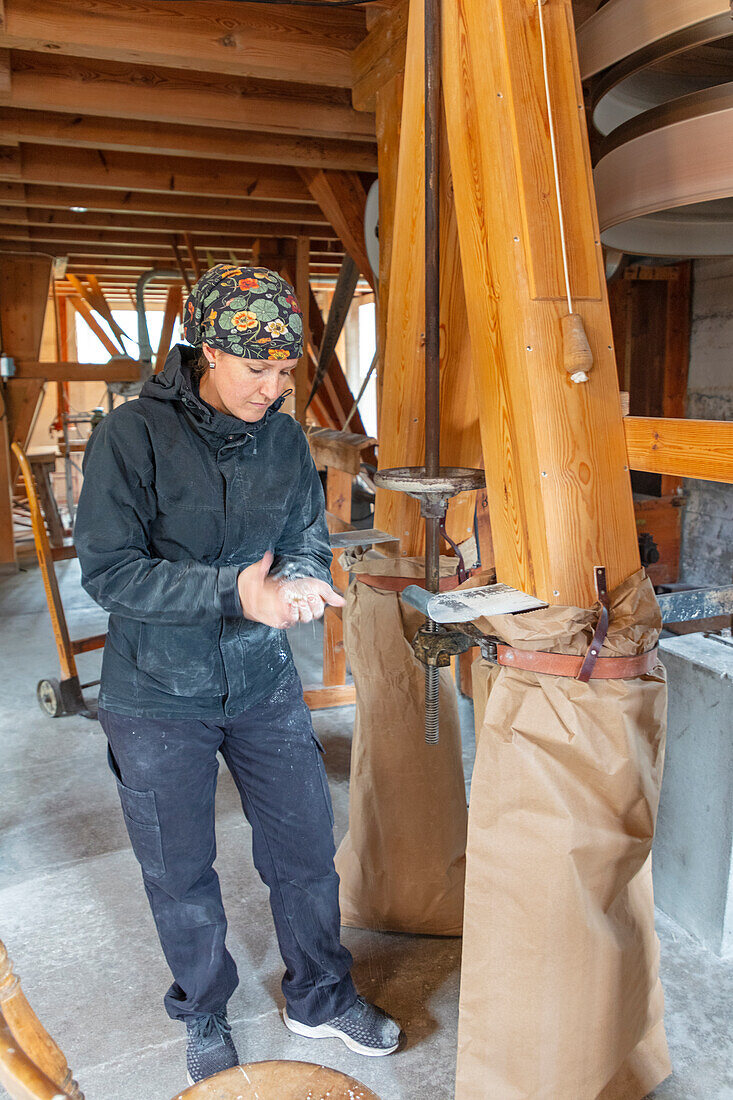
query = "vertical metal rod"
x=432 y=330
x=432 y=237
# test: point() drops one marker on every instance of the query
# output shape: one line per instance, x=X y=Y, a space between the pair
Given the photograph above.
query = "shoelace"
x=204 y=1027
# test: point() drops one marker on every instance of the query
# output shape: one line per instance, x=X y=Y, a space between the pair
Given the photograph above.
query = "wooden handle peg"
x=577 y=356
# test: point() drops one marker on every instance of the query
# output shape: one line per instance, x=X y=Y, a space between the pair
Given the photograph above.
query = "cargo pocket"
x=320 y=753
x=141 y=820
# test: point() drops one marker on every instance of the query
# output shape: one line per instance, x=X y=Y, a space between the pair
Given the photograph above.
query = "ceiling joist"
x=168 y=95
x=87 y=131
x=249 y=40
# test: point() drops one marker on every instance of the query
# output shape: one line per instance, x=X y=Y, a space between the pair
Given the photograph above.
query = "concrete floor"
x=75 y=920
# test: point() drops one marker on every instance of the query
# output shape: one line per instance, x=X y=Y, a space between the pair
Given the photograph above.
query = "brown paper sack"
x=483 y=676
x=560 y=991
x=402 y=861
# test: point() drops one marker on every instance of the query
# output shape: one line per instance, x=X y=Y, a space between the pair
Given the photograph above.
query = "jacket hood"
x=175 y=383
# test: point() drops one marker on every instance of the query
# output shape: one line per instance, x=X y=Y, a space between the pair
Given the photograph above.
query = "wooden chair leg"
x=20 y=1021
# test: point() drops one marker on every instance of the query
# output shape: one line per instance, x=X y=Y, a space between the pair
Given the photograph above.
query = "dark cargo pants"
x=166 y=773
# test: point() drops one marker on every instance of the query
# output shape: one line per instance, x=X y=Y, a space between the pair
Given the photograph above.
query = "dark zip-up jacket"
x=177 y=500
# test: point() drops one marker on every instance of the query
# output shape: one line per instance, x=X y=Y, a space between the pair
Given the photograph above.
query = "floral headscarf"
x=247 y=311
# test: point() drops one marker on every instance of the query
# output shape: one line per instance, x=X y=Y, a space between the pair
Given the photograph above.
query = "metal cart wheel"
x=49 y=698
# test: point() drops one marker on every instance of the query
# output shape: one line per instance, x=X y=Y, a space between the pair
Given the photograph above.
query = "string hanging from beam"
x=577 y=354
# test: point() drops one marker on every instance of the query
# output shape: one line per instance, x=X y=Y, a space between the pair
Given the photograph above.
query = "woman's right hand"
x=271 y=601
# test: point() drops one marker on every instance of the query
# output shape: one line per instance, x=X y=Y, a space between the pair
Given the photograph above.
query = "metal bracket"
x=434 y=646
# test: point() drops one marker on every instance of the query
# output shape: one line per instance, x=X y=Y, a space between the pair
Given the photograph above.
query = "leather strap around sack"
x=399 y=584
x=565 y=664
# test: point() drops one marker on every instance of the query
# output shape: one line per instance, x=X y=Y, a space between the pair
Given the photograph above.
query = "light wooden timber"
x=206 y=143
x=22 y=405
x=342 y=198
x=624 y=27
x=91 y=293
x=168 y=205
x=122 y=370
x=380 y=56
x=681 y=154
x=8 y=560
x=24 y=288
x=33 y=223
x=10 y=162
x=337 y=695
x=558 y=488
x=684 y=448
x=338 y=450
x=389 y=118
x=335 y=384
x=192 y=255
x=402 y=415
x=311 y=45
x=129 y=250
x=84 y=310
x=303 y=294
x=172 y=310
x=47 y=164
x=168 y=95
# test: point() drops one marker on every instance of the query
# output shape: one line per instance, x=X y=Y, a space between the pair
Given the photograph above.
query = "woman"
x=201 y=530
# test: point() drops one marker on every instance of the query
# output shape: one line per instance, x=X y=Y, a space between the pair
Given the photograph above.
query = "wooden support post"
x=342 y=198
x=172 y=309
x=303 y=294
x=8 y=560
x=677 y=354
x=99 y=302
x=402 y=418
x=180 y=264
x=195 y=262
x=338 y=503
x=389 y=117
x=84 y=310
x=554 y=451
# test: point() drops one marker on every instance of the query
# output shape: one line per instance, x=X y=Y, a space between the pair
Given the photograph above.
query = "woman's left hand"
x=308 y=597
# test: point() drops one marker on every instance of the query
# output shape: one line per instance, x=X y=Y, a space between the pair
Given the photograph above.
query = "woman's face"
x=244 y=388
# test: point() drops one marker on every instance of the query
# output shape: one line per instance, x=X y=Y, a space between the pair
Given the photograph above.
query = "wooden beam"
x=180 y=265
x=337 y=695
x=172 y=309
x=248 y=41
x=379 y=57
x=335 y=384
x=157 y=203
x=338 y=450
x=191 y=249
x=303 y=294
x=402 y=413
x=389 y=120
x=91 y=296
x=683 y=448
x=122 y=370
x=168 y=95
x=114 y=242
x=83 y=309
x=31 y=223
x=342 y=198
x=8 y=560
x=47 y=164
x=130 y=135
x=559 y=491
x=677 y=353
x=24 y=288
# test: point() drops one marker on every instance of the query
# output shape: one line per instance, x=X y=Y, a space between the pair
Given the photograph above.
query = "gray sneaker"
x=364 y=1028
x=210 y=1048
